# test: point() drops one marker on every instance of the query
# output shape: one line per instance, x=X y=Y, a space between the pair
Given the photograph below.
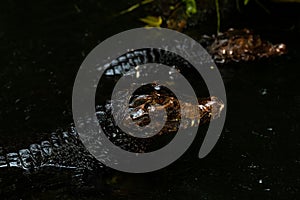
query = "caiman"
x=62 y=159
x=233 y=45
x=64 y=150
x=241 y=45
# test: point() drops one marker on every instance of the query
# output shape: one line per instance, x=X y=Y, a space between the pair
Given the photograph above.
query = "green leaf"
x=191 y=7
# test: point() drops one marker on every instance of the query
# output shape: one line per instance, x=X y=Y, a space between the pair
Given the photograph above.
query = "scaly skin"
x=242 y=45
x=65 y=150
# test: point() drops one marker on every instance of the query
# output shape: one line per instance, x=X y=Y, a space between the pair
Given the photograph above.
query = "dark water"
x=42 y=45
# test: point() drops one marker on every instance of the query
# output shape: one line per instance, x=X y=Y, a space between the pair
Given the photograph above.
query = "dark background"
x=42 y=44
